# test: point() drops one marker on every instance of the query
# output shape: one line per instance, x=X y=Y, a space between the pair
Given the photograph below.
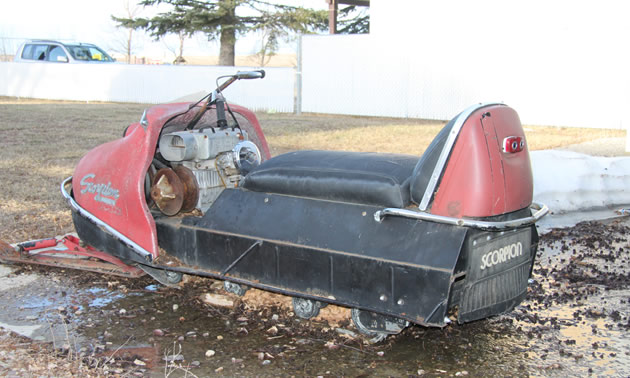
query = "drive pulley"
x=174 y=190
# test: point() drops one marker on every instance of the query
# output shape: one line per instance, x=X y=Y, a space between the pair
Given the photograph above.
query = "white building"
x=557 y=62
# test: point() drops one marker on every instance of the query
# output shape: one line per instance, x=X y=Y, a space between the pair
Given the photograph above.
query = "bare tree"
x=268 y=46
x=4 y=57
x=8 y=45
x=178 y=53
x=126 y=44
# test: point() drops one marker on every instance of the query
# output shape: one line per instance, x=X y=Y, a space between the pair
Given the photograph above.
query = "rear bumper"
x=538 y=211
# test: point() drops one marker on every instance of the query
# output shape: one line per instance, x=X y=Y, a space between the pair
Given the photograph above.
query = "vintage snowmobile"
x=192 y=189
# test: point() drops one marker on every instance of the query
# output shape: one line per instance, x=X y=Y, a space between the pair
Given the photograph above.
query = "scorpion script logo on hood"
x=102 y=192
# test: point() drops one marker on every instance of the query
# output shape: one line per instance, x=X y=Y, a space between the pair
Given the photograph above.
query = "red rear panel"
x=480 y=178
x=516 y=169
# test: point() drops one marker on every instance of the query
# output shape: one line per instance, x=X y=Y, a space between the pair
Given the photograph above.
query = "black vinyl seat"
x=357 y=177
x=389 y=180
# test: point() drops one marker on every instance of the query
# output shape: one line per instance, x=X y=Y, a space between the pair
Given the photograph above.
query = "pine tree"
x=226 y=20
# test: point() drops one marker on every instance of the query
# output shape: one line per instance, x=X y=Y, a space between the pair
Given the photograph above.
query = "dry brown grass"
x=412 y=136
x=286 y=132
x=42 y=141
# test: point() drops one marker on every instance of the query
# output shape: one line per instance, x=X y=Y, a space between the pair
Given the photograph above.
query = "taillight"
x=513 y=144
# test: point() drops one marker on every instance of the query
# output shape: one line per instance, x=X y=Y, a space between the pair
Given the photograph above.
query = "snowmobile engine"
x=205 y=162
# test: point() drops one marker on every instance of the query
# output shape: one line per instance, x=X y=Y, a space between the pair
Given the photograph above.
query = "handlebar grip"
x=221 y=120
x=258 y=74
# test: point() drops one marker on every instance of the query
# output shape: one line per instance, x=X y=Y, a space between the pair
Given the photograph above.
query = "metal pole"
x=297 y=98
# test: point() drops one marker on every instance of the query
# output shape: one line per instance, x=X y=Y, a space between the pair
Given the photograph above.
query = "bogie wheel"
x=173 y=278
x=165 y=277
x=306 y=308
x=234 y=288
x=360 y=319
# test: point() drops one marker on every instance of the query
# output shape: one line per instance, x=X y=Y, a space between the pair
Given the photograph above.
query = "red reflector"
x=513 y=144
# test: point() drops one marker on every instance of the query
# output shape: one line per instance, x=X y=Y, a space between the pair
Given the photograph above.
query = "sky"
x=90 y=21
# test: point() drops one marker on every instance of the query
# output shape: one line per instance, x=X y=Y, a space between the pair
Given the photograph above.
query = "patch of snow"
x=24 y=330
x=568 y=181
x=11 y=282
x=579 y=187
x=5 y=271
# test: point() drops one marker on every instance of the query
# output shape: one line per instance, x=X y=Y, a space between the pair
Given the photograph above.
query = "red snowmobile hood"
x=109 y=181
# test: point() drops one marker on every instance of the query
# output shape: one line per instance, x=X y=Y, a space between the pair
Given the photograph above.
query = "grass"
x=411 y=136
x=42 y=141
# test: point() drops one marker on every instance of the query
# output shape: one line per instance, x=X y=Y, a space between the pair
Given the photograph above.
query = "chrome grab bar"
x=540 y=211
x=73 y=204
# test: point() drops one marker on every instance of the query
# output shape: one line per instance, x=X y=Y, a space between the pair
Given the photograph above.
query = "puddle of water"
x=36 y=302
x=101 y=297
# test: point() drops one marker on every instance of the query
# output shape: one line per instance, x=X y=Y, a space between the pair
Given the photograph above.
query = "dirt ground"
x=574 y=322
x=42 y=141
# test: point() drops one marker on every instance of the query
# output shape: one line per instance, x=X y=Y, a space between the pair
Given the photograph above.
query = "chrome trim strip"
x=446 y=151
x=73 y=204
x=540 y=211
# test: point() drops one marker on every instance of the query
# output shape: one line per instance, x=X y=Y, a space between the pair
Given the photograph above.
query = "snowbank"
x=568 y=181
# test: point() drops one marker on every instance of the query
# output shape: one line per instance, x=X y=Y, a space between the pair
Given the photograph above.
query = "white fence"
x=143 y=83
x=362 y=75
